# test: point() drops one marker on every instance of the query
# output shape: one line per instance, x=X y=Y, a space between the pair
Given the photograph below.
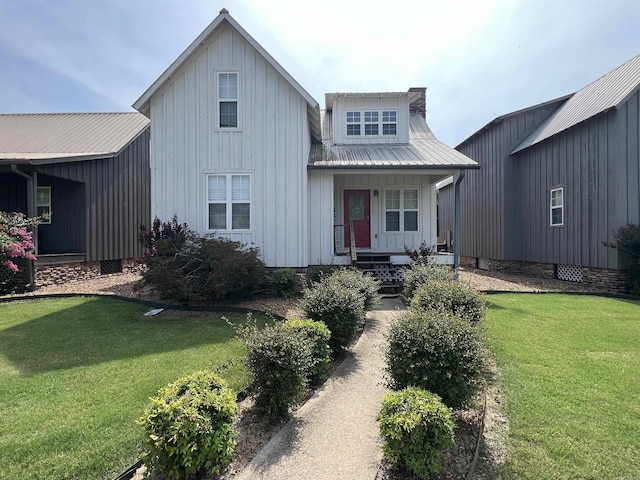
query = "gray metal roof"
x=424 y=150
x=609 y=91
x=38 y=137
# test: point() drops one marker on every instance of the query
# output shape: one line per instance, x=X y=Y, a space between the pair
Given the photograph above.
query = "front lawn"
x=570 y=368
x=75 y=373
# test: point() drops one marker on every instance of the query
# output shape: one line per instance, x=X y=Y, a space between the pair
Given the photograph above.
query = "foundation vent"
x=569 y=273
x=108 y=267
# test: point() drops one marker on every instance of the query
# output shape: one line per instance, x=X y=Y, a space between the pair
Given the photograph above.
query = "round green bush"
x=416 y=428
x=280 y=361
x=318 y=335
x=189 y=427
x=439 y=353
x=450 y=297
x=363 y=283
x=340 y=308
x=286 y=283
x=421 y=273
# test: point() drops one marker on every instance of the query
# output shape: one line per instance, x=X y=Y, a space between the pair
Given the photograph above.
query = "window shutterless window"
x=228 y=100
x=229 y=201
x=372 y=123
x=556 y=207
x=401 y=210
x=43 y=203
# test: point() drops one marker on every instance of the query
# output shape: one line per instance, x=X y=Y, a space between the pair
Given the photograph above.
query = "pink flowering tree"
x=16 y=241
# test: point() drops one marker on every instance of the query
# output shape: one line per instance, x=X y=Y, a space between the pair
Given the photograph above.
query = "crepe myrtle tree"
x=16 y=241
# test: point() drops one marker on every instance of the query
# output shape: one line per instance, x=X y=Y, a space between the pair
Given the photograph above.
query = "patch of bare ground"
x=486 y=280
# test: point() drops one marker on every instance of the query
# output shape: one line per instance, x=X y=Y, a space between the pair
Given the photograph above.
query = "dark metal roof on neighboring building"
x=38 y=137
x=607 y=92
x=424 y=150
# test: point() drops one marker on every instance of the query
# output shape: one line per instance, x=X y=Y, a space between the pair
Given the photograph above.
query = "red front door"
x=356 y=209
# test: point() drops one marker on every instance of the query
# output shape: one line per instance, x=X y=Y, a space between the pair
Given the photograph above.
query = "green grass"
x=570 y=368
x=75 y=373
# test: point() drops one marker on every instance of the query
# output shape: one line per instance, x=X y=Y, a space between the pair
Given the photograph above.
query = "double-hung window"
x=556 y=206
x=43 y=203
x=229 y=201
x=401 y=210
x=389 y=122
x=353 y=123
x=228 y=100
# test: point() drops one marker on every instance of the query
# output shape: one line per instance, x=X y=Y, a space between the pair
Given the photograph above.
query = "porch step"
x=379 y=265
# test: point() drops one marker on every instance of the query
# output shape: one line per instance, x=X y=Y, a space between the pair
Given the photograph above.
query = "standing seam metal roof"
x=607 y=92
x=424 y=150
x=39 y=136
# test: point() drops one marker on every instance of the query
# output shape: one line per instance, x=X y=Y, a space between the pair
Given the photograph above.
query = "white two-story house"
x=240 y=149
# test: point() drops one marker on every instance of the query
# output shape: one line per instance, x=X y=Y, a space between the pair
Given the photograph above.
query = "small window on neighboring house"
x=353 y=123
x=401 y=210
x=229 y=201
x=43 y=203
x=228 y=100
x=557 y=206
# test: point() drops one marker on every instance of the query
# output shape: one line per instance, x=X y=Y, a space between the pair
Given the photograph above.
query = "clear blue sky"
x=479 y=59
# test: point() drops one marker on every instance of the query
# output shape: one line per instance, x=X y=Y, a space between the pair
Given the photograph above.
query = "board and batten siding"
x=271 y=144
x=489 y=223
x=117 y=199
x=325 y=184
x=596 y=162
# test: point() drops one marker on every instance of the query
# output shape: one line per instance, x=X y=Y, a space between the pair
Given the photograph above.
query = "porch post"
x=456 y=221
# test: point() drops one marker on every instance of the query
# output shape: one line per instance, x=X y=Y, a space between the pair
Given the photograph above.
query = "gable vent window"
x=228 y=100
x=229 y=202
x=557 y=207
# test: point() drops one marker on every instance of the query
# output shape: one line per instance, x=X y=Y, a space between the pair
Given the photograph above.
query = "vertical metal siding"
x=117 y=199
x=491 y=218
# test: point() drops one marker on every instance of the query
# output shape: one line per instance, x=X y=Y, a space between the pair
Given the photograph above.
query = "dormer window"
x=372 y=123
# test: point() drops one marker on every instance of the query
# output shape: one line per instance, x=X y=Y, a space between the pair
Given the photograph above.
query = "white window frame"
x=42 y=204
x=220 y=100
x=556 y=206
x=362 y=122
x=229 y=201
x=401 y=210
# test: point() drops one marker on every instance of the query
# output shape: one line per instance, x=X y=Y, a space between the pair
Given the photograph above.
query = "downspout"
x=456 y=222
x=30 y=213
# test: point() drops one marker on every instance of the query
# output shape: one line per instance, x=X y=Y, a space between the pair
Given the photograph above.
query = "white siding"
x=326 y=194
x=343 y=104
x=271 y=143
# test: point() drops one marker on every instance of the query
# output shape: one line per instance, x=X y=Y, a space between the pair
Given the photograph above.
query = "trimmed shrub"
x=421 y=273
x=280 y=361
x=185 y=267
x=439 y=353
x=449 y=297
x=416 y=428
x=318 y=335
x=286 y=283
x=189 y=427
x=340 y=308
x=316 y=273
x=361 y=282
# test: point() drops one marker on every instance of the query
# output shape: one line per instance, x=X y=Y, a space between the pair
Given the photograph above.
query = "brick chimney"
x=419 y=106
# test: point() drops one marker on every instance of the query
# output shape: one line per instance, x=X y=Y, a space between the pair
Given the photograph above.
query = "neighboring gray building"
x=556 y=180
x=91 y=172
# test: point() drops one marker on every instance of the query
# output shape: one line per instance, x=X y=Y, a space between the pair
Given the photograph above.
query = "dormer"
x=371 y=118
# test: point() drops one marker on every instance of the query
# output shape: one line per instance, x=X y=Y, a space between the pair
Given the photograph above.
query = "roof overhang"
x=43 y=159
